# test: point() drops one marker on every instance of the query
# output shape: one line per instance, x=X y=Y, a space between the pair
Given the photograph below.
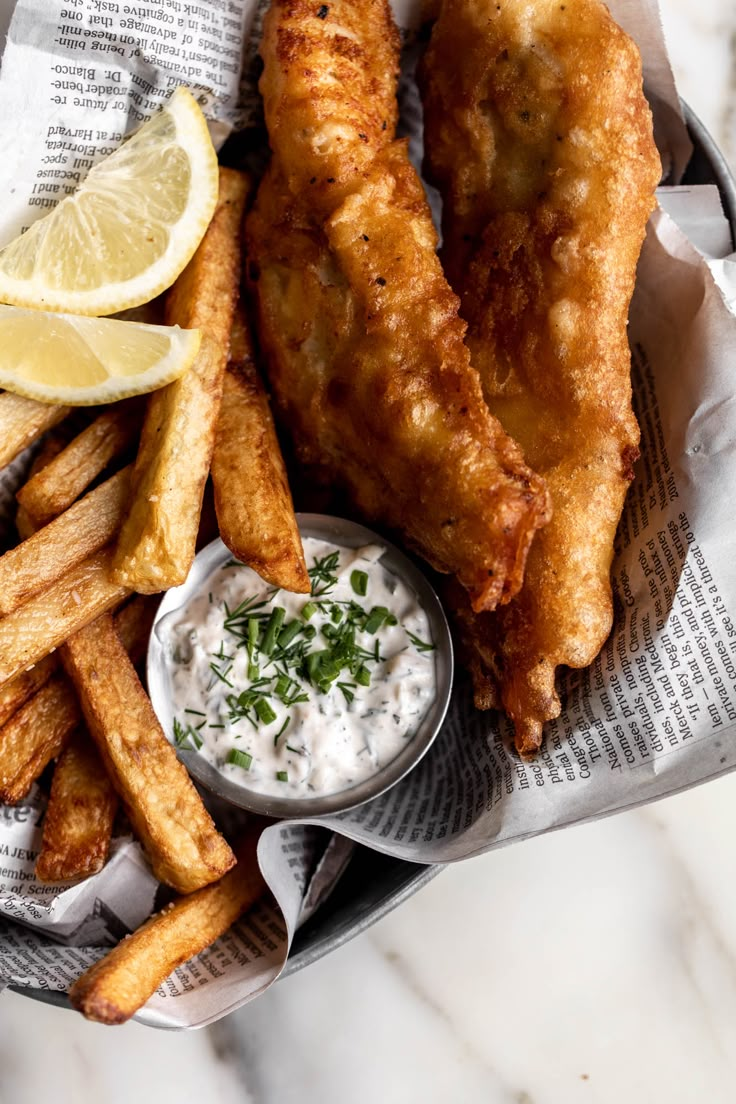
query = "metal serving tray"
x=374 y=884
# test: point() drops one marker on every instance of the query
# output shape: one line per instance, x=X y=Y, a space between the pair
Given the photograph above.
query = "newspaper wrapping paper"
x=653 y=715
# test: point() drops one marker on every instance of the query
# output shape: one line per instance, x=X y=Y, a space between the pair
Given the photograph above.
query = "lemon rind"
x=183 y=349
x=111 y=298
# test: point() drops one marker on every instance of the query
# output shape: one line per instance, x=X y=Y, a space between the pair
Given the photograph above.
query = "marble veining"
x=595 y=965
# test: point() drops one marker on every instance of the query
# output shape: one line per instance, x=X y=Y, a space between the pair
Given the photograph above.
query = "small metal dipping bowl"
x=350 y=535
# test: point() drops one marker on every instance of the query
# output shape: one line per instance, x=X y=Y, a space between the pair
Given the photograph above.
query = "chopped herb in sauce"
x=251 y=663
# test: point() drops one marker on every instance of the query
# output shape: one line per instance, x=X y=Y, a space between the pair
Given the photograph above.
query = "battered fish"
x=539 y=138
x=360 y=329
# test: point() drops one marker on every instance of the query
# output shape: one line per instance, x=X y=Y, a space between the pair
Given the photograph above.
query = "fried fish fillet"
x=541 y=145
x=360 y=329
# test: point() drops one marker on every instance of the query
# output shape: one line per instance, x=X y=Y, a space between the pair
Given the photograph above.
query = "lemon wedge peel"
x=129 y=229
x=81 y=361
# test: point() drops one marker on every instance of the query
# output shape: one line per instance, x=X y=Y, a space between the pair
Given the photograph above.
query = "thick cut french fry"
x=45 y=621
x=133 y=624
x=17 y=692
x=185 y=849
x=119 y=984
x=157 y=541
x=22 y=421
x=255 y=513
x=51 y=446
x=79 y=817
x=40 y=728
x=35 y=735
x=53 y=489
x=51 y=552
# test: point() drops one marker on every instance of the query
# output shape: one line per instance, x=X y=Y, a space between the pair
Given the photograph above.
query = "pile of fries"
x=98 y=534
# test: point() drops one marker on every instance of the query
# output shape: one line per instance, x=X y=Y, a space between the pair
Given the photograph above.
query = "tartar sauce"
x=297 y=695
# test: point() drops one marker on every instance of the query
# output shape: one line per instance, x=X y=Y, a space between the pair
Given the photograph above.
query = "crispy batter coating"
x=329 y=92
x=541 y=144
x=255 y=513
x=360 y=329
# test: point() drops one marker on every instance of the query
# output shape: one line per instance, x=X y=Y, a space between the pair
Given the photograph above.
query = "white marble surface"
x=595 y=965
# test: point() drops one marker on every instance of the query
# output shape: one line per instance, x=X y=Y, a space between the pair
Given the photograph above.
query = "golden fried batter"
x=360 y=329
x=540 y=140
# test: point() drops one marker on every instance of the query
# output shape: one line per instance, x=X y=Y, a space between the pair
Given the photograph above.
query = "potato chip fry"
x=157 y=542
x=46 y=620
x=79 y=817
x=255 y=513
x=22 y=421
x=119 y=984
x=52 y=490
x=185 y=849
x=86 y=527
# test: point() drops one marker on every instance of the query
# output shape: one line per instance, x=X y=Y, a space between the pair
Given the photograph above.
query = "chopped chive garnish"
x=222 y=676
x=376 y=618
x=359 y=582
x=275 y=622
x=264 y=712
x=312 y=664
x=185 y=736
x=283 y=682
x=281 y=660
x=347 y=689
x=296 y=751
x=323 y=572
x=288 y=633
x=239 y=758
x=281 y=731
x=282 y=776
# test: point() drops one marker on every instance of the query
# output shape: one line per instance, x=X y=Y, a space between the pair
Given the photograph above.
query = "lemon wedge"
x=62 y=358
x=130 y=227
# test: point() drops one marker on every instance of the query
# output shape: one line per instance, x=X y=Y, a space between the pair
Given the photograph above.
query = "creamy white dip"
x=309 y=701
